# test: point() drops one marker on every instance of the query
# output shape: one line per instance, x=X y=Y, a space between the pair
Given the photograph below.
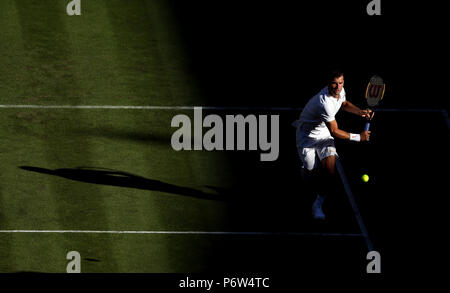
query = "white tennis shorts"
x=312 y=155
x=314 y=143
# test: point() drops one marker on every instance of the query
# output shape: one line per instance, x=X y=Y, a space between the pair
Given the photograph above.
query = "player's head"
x=335 y=82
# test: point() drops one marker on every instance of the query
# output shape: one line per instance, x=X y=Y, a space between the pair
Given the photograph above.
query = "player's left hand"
x=368 y=114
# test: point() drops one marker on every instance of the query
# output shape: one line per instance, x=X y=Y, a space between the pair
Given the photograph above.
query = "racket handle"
x=367 y=126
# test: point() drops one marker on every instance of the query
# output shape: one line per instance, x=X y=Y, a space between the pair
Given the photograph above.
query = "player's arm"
x=339 y=133
x=349 y=107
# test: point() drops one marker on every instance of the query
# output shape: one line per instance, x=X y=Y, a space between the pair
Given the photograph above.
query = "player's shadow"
x=121 y=134
x=123 y=179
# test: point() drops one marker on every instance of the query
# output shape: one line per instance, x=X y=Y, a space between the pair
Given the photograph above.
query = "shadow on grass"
x=124 y=134
x=122 y=179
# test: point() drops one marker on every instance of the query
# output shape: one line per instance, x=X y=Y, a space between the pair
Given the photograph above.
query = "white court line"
x=183 y=233
x=445 y=114
x=219 y=108
x=121 y=107
x=125 y=107
x=351 y=198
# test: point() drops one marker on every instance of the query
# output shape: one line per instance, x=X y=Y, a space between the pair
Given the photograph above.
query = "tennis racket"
x=374 y=93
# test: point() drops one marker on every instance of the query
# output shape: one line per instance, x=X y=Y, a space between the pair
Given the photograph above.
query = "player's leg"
x=329 y=164
x=309 y=171
x=328 y=175
x=327 y=154
x=311 y=178
x=307 y=154
x=310 y=162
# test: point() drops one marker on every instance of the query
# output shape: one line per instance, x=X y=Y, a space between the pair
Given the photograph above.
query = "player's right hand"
x=365 y=135
x=368 y=114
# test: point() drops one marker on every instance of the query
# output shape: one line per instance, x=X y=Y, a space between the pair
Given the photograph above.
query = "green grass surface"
x=117 y=53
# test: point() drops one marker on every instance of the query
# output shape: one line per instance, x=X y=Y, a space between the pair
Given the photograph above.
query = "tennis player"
x=316 y=130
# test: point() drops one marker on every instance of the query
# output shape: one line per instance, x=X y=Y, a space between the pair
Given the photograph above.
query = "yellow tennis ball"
x=365 y=177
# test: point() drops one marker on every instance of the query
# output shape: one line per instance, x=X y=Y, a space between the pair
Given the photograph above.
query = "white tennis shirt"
x=320 y=109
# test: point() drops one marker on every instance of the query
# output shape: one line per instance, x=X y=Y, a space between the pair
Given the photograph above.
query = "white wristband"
x=355 y=137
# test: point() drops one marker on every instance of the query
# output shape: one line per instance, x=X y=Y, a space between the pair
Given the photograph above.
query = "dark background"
x=277 y=53
x=258 y=53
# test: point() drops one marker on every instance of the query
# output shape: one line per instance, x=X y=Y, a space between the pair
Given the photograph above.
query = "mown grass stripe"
x=55 y=73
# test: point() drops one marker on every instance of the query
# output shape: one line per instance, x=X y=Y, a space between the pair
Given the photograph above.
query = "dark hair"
x=334 y=73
